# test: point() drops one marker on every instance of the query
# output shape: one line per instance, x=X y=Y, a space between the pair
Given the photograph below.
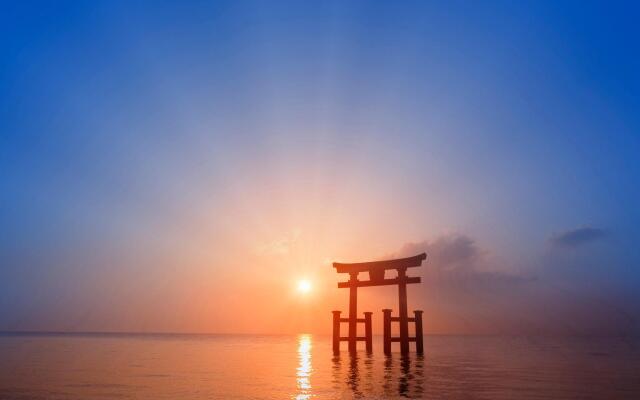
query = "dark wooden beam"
x=408 y=262
x=397 y=339
x=397 y=319
x=357 y=320
x=383 y=282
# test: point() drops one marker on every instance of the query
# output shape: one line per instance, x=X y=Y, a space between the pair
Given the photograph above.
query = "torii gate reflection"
x=376 y=270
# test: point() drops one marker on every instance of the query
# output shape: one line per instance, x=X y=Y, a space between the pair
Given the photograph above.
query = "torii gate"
x=376 y=270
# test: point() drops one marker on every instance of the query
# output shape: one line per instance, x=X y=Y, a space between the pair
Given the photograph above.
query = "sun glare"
x=304 y=286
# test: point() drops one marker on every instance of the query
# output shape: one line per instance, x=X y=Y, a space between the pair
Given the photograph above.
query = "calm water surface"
x=303 y=367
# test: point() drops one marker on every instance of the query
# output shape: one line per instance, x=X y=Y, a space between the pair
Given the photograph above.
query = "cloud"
x=576 y=237
x=445 y=252
x=465 y=289
x=457 y=258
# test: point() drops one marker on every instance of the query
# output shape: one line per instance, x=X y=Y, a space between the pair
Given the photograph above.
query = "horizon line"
x=133 y=333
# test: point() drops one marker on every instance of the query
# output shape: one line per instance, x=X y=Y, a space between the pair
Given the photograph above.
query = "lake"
x=123 y=366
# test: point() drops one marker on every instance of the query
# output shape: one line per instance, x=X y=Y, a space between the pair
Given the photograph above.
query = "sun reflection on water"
x=303 y=372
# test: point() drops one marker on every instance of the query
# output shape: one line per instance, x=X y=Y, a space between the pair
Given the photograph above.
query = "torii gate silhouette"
x=376 y=270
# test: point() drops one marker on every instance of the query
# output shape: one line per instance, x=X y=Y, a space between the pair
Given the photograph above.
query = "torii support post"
x=388 y=339
x=419 y=337
x=404 y=318
x=386 y=330
x=368 y=332
x=368 y=329
x=353 y=311
x=336 y=332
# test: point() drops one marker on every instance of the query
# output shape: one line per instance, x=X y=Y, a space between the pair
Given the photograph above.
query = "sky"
x=180 y=166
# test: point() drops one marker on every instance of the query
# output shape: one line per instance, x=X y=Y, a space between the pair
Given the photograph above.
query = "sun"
x=304 y=286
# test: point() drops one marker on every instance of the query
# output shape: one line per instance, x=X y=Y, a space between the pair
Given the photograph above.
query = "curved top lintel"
x=407 y=262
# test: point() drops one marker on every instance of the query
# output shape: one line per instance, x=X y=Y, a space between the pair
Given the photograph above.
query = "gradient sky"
x=178 y=167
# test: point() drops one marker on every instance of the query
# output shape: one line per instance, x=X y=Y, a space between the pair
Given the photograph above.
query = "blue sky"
x=156 y=145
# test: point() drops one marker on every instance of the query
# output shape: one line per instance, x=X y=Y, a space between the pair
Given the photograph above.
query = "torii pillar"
x=353 y=311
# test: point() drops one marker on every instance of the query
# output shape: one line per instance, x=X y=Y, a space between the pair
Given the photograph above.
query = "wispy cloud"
x=280 y=246
x=576 y=237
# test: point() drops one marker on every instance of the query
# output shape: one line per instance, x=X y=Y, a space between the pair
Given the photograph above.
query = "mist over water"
x=100 y=366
